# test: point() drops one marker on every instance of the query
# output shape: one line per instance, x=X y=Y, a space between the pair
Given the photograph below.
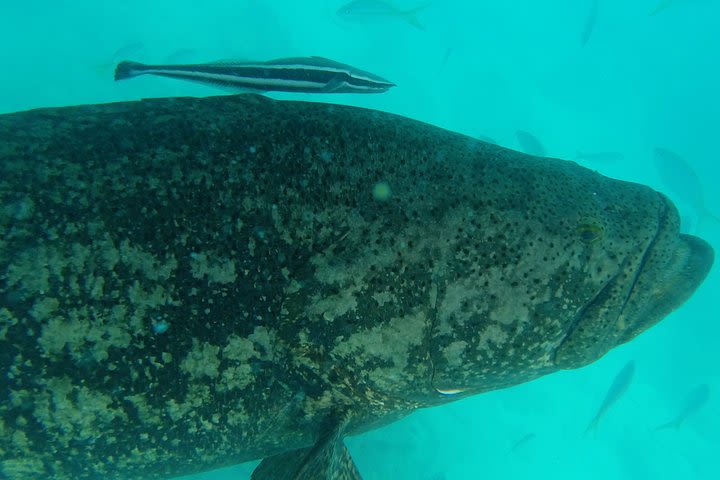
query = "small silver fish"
x=617 y=389
x=446 y=56
x=590 y=23
x=530 y=144
x=373 y=10
x=128 y=50
x=664 y=4
x=679 y=177
x=301 y=74
x=522 y=441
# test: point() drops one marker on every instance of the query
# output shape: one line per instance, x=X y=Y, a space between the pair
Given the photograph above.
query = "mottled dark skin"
x=314 y=266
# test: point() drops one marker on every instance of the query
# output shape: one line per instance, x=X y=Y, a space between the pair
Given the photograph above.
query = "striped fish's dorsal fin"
x=288 y=61
x=230 y=61
x=312 y=61
x=309 y=61
x=328 y=62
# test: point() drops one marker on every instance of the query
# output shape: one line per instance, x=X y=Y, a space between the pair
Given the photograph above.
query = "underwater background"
x=602 y=82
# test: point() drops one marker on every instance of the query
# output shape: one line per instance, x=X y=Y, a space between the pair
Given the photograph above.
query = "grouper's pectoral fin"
x=328 y=459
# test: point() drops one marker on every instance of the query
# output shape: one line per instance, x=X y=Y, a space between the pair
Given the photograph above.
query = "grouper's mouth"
x=671 y=268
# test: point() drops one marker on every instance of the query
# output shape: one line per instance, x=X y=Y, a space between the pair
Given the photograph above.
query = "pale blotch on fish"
x=381 y=191
x=161 y=327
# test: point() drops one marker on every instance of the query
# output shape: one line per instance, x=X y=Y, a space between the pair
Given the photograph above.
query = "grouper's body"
x=192 y=283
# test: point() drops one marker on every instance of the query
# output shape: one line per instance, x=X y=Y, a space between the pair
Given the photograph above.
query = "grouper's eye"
x=589 y=233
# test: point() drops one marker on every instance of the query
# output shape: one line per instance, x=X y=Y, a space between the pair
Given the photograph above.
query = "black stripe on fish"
x=304 y=74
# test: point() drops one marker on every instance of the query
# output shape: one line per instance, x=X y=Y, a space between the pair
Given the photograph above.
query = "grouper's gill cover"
x=192 y=283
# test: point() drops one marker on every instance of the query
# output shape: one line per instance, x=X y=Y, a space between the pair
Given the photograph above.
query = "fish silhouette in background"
x=664 y=4
x=530 y=144
x=682 y=181
x=445 y=58
x=525 y=439
x=128 y=50
x=376 y=10
x=617 y=389
x=590 y=23
x=695 y=400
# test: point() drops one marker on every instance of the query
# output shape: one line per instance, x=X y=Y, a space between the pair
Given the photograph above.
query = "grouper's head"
x=671 y=267
x=560 y=266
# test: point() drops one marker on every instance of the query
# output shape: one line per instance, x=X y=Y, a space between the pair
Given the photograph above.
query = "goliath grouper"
x=192 y=283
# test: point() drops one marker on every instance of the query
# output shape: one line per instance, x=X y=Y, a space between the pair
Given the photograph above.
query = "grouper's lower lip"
x=667 y=280
x=673 y=268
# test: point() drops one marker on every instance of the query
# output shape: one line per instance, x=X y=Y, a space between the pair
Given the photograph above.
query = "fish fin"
x=412 y=19
x=281 y=467
x=127 y=69
x=661 y=6
x=673 y=424
x=710 y=216
x=328 y=459
x=592 y=427
x=326 y=62
x=230 y=61
x=333 y=85
x=410 y=16
x=313 y=60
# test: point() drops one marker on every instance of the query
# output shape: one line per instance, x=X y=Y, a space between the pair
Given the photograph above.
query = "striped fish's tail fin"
x=128 y=70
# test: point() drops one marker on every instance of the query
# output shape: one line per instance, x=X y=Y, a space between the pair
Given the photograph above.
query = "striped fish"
x=301 y=74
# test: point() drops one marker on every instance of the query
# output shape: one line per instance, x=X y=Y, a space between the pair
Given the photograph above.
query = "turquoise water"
x=481 y=68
